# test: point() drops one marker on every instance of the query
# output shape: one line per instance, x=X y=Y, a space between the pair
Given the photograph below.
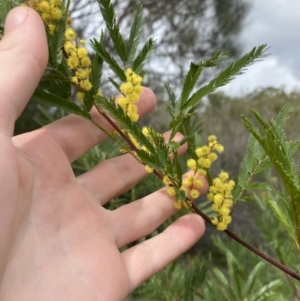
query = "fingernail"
x=14 y=18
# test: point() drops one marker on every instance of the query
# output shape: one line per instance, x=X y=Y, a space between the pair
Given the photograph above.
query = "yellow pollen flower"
x=192 y=164
x=149 y=169
x=33 y=4
x=46 y=17
x=51 y=29
x=223 y=175
x=228 y=203
x=56 y=13
x=57 y=2
x=201 y=172
x=166 y=180
x=86 y=85
x=177 y=205
x=214 y=221
x=194 y=194
x=226 y=219
x=212 y=157
x=218 y=198
x=126 y=88
x=203 y=162
x=188 y=181
x=73 y=62
x=85 y=61
x=219 y=148
x=224 y=211
x=82 y=52
x=80 y=96
x=74 y=80
x=145 y=131
x=215 y=207
x=210 y=196
x=171 y=191
x=212 y=138
x=221 y=226
x=70 y=34
x=44 y=7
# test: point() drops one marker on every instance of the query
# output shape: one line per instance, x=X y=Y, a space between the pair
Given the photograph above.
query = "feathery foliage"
x=280 y=151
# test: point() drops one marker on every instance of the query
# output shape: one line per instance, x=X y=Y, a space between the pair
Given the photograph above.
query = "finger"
x=140 y=218
x=23 y=58
x=149 y=257
x=121 y=174
x=68 y=131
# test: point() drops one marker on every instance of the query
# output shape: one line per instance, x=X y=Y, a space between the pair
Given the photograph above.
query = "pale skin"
x=57 y=242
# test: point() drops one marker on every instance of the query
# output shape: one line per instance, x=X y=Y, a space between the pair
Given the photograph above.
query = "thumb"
x=23 y=58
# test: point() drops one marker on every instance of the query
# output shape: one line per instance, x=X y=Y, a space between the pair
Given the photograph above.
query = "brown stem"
x=294 y=288
x=250 y=247
x=132 y=146
x=205 y=217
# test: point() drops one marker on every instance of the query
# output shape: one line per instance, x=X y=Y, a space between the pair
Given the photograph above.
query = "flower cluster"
x=190 y=186
x=78 y=61
x=206 y=155
x=50 y=11
x=220 y=193
x=131 y=91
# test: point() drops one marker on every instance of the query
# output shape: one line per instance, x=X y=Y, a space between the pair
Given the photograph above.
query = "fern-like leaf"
x=135 y=33
x=143 y=56
x=107 y=11
x=227 y=75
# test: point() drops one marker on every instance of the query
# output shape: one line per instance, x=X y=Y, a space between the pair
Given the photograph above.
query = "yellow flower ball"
x=80 y=96
x=221 y=226
x=171 y=191
x=56 y=13
x=192 y=164
x=86 y=85
x=194 y=194
x=223 y=175
x=44 y=7
x=70 y=34
x=149 y=169
x=212 y=138
x=198 y=183
x=166 y=180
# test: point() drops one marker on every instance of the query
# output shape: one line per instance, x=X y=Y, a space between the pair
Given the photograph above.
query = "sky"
x=277 y=24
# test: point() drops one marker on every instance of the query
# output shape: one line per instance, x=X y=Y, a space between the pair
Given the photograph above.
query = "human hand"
x=57 y=242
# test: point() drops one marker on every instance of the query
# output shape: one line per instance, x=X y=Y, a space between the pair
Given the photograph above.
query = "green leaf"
x=171 y=94
x=284 y=219
x=114 y=83
x=219 y=57
x=258 y=186
x=59 y=86
x=56 y=41
x=109 y=17
x=190 y=81
x=135 y=32
x=234 y=277
x=227 y=75
x=251 y=279
x=263 y=290
x=277 y=147
x=53 y=100
x=143 y=56
x=95 y=79
x=113 y=65
x=5 y=7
